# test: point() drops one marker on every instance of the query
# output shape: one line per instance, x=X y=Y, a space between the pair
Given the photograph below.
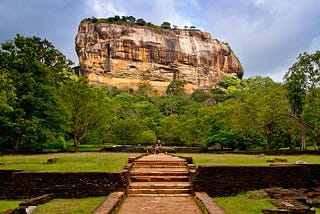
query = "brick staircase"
x=159 y=175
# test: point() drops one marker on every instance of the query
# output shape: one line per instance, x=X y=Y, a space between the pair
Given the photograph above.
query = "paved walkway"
x=164 y=166
x=159 y=184
x=159 y=205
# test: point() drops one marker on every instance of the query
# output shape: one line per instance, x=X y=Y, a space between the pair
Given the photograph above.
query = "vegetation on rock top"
x=131 y=20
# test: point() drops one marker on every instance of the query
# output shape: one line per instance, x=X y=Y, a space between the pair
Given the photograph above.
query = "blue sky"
x=266 y=35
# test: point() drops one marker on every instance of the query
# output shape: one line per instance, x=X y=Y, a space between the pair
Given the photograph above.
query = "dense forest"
x=45 y=106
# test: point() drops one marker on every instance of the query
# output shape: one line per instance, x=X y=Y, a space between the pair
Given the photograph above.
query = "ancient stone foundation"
x=214 y=180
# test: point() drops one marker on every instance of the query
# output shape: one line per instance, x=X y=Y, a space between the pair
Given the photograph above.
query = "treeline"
x=44 y=106
x=132 y=20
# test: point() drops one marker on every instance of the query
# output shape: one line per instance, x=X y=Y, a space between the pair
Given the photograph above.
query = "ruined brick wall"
x=215 y=180
x=231 y=180
x=17 y=184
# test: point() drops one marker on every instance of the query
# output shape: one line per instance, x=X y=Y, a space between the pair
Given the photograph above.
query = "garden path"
x=159 y=183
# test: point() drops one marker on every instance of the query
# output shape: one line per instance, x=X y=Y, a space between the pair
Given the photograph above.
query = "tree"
x=87 y=113
x=176 y=87
x=131 y=19
x=311 y=114
x=33 y=70
x=128 y=131
x=166 y=25
x=141 y=22
x=148 y=137
x=228 y=81
x=301 y=80
x=170 y=131
x=200 y=96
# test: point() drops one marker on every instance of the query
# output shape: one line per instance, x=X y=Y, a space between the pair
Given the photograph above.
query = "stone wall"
x=231 y=180
x=214 y=180
x=24 y=184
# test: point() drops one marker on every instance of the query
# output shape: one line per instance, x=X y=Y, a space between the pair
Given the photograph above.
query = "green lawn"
x=70 y=206
x=68 y=162
x=8 y=205
x=114 y=162
x=242 y=204
x=246 y=160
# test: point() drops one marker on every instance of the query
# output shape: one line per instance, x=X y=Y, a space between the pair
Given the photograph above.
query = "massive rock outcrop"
x=123 y=55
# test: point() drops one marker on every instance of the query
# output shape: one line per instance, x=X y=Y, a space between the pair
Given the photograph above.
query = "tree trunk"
x=75 y=142
x=269 y=135
x=16 y=144
x=303 y=137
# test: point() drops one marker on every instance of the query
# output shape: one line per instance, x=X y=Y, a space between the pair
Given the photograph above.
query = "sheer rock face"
x=124 y=55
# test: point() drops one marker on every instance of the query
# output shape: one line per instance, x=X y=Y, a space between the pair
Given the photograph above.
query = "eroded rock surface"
x=123 y=55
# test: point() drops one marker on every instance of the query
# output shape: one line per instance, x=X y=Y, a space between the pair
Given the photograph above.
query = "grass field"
x=8 y=205
x=247 y=160
x=70 y=206
x=61 y=206
x=114 y=162
x=68 y=162
x=242 y=204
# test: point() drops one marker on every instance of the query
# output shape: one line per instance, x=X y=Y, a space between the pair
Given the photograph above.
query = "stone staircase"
x=159 y=175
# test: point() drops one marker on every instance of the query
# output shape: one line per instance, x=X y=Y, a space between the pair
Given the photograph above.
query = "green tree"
x=86 y=112
x=311 y=114
x=141 y=22
x=176 y=87
x=264 y=109
x=200 y=95
x=228 y=81
x=148 y=137
x=170 y=130
x=302 y=80
x=128 y=131
x=131 y=19
x=166 y=25
x=33 y=70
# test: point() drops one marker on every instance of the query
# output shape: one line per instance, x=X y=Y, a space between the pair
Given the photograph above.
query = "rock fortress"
x=127 y=55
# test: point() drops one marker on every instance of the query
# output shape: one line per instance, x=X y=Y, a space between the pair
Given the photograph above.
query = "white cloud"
x=103 y=8
x=268 y=35
x=166 y=10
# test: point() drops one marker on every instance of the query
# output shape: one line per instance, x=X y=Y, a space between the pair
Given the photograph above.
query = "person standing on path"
x=157 y=147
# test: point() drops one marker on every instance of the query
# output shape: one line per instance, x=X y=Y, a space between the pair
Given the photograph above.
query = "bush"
x=148 y=137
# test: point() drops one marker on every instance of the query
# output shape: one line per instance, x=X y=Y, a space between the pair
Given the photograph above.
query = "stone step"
x=159 y=185
x=159 y=195
x=159 y=191
x=163 y=174
x=158 y=178
x=156 y=169
x=158 y=166
x=163 y=164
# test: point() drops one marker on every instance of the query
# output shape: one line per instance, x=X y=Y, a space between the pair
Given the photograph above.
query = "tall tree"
x=34 y=69
x=87 y=111
x=302 y=79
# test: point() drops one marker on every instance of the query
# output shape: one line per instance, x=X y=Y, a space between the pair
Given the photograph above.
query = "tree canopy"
x=44 y=106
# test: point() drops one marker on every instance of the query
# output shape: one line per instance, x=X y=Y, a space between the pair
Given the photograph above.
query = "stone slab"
x=109 y=205
x=208 y=204
x=159 y=205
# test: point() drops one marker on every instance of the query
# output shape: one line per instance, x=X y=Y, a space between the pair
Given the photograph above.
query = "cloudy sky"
x=266 y=35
